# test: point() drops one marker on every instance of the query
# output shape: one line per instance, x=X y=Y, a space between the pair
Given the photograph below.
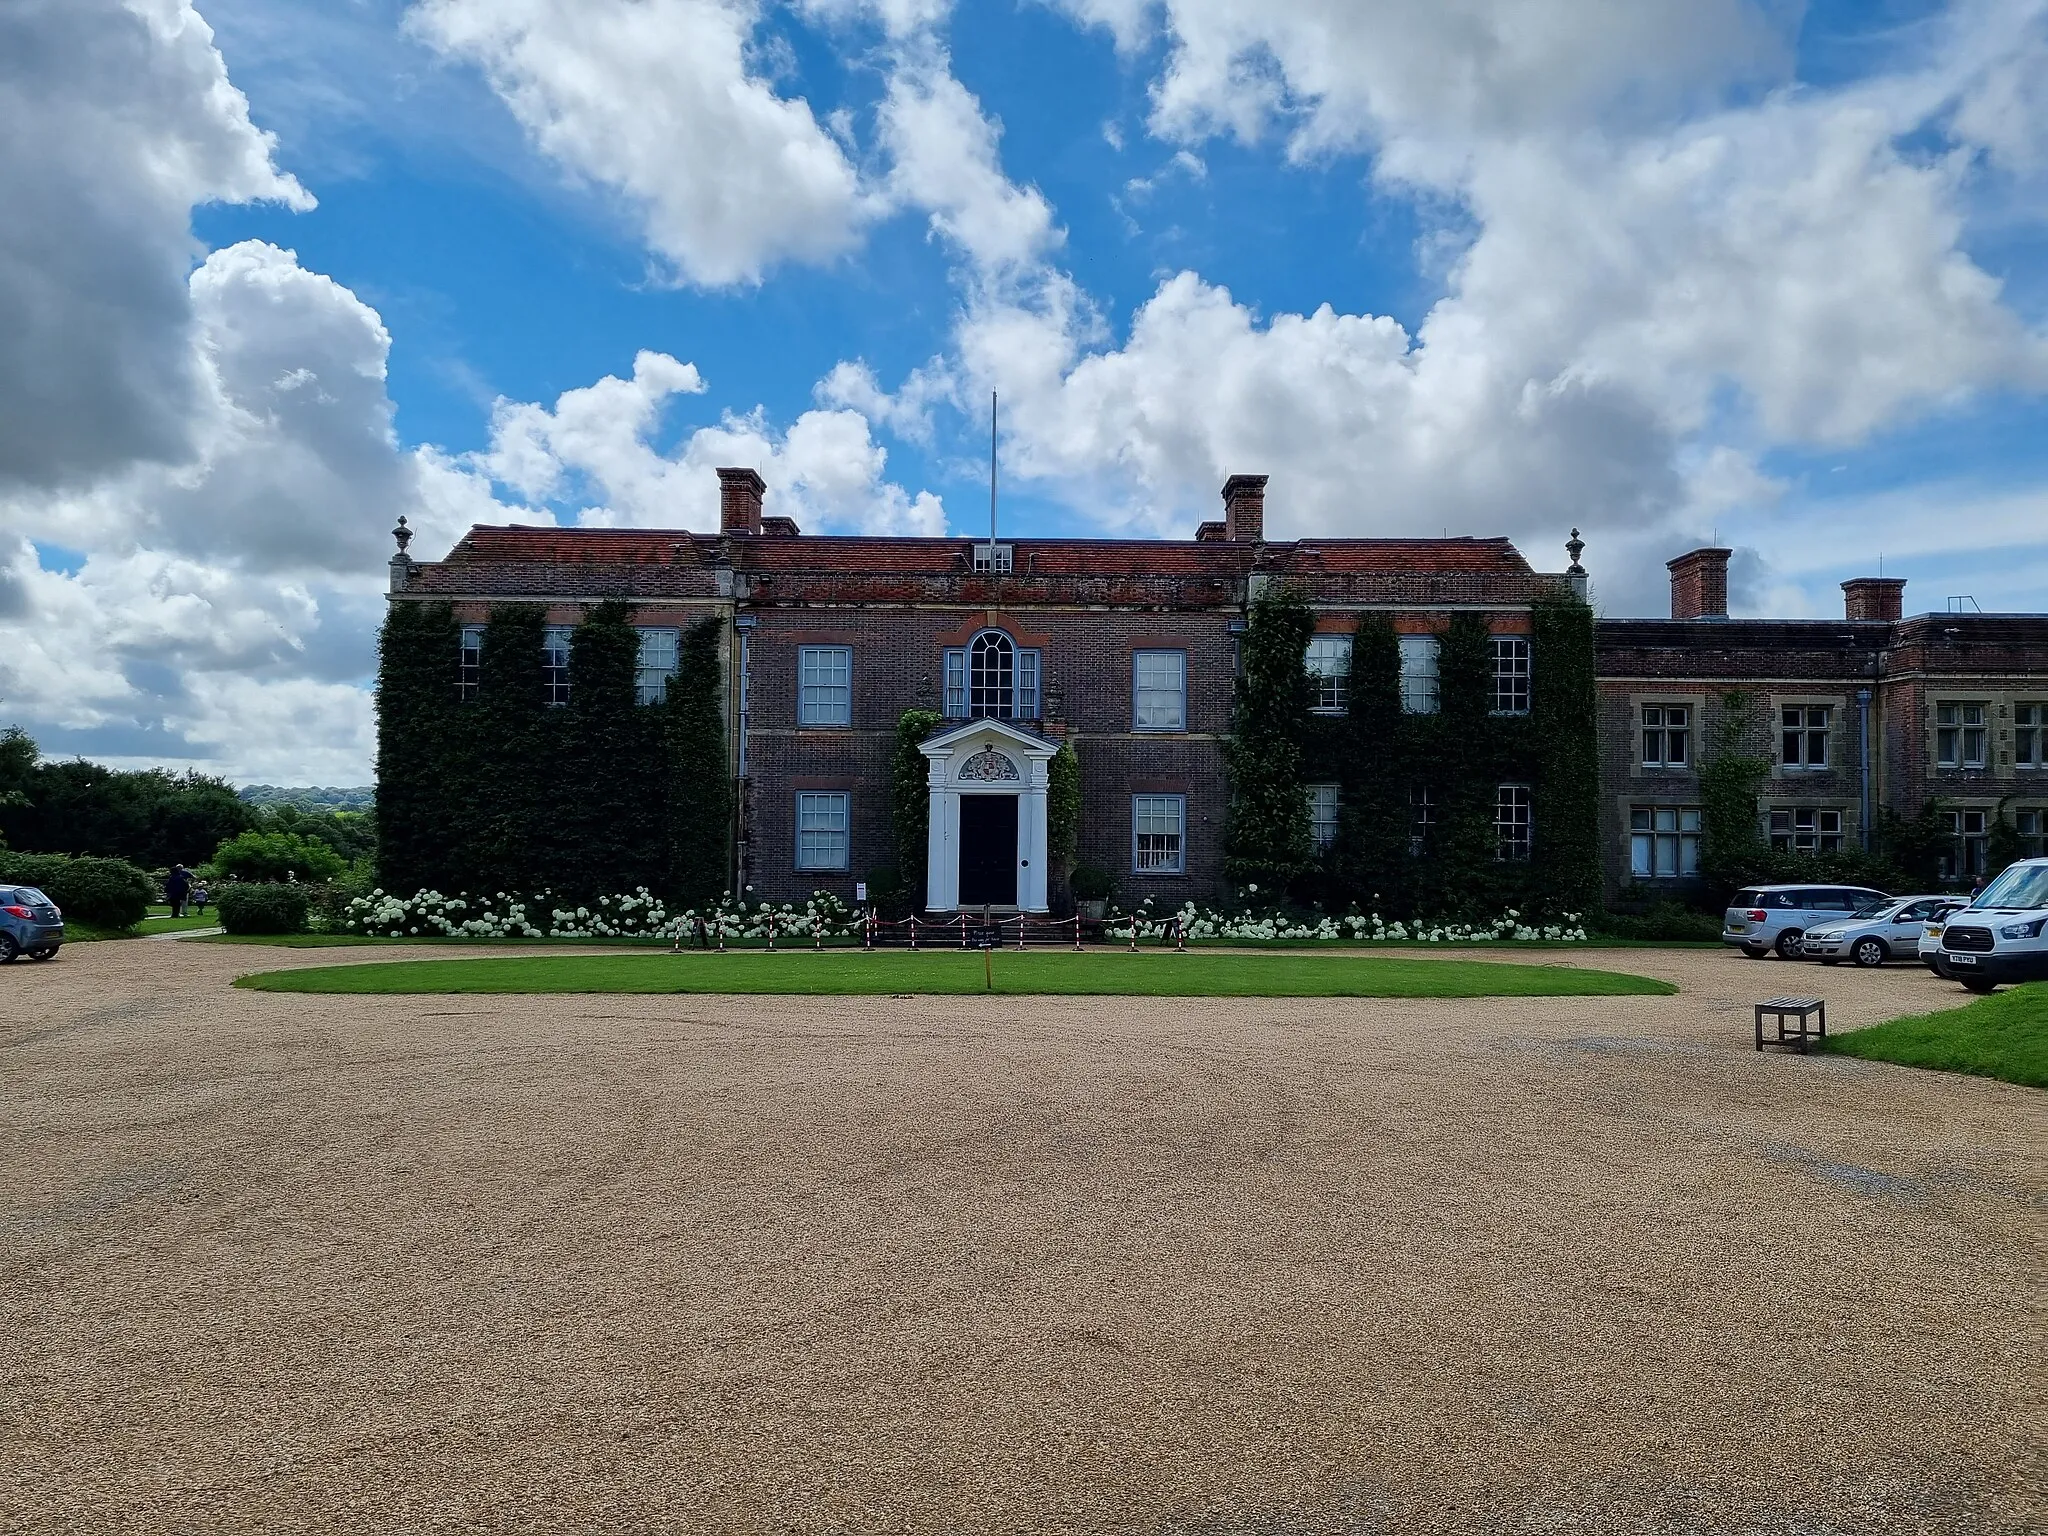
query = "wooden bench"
x=1806 y=1012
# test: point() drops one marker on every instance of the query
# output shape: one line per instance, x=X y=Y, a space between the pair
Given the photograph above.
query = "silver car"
x=1889 y=930
x=1767 y=917
x=30 y=924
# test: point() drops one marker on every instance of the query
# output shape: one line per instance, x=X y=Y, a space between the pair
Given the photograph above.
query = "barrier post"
x=721 y=933
x=1180 y=933
x=867 y=930
x=962 y=920
x=817 y=931
x=1077 y=933
x=1134 y=933
x=1020 y=930
x=771 y=933
x=913 y=930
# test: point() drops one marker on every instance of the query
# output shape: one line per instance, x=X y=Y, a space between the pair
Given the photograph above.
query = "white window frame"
x=661 y=653
x=1323 y=803
x=556 y=641
x=1664 y=842
x=1421 y=819
x=1962 y=733
x=1969 y=851
x=1660 y=726
x=1159 y=690
x=1514 y=823
x=469 y=662
x=824 y=685
x=1421 y=687
x=1805 y=828
x=1798 y=739
x=2030 y=823
x=1511 y=674
x=824 y=835
x=1165 y=818
x=1327 y=661
x=1026 y=668
x=2029 y=737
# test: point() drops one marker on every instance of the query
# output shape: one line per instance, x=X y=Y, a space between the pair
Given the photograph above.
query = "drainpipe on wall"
x=1863 y=756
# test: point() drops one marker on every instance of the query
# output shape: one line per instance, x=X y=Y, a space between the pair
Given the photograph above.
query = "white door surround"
x=986 y=757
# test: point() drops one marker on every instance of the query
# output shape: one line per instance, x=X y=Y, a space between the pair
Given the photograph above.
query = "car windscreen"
x=2024 y=885
x=1876 y=909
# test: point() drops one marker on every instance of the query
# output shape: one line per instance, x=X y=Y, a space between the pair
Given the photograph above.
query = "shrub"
x=106 y=893
x=1090 y=883
x=274 y=856
x=262 y=908
x=1666 y=922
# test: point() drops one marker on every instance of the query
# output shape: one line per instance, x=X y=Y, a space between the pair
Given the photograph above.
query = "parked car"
x=2002 y=935
x=1768 y=917
x=1930 y=936
x=1889 y=930
x=30 y=924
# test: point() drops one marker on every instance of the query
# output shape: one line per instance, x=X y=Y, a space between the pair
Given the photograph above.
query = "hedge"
x=265 y=908
x=105 y=893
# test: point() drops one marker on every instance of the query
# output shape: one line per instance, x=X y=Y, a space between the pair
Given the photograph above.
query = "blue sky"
x=1754 y=272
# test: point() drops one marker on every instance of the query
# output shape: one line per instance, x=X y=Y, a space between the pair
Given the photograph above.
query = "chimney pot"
x=1699 y=584
x=739 y=501
x=1874 y=597
x=1244 y=509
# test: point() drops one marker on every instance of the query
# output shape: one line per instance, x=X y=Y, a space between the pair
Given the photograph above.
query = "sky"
x=274 y=272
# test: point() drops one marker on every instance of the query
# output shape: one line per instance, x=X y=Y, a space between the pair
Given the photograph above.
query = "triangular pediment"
x=971 y=735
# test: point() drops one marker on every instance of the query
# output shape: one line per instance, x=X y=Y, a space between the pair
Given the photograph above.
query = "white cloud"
x=655 y=99
x=594 y=456
x=115 y=119
x=944 y=150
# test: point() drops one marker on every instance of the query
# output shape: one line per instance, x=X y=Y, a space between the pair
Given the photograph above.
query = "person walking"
x=200 y=897
x=177 y=884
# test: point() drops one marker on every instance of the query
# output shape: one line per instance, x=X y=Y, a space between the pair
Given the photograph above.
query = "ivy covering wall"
x=1383 y=761
x=503 y=792
x=1267 y=840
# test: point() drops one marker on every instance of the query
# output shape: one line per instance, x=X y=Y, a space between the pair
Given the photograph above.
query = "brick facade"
x=1087 y=605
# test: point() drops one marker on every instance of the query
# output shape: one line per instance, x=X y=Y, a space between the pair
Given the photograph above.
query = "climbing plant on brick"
x=1467 y=759
x=698 y=772
x=416 y=675
x=1371 y=861
x=910 y=800
x=614 y=788
x=1267 y=841
x=1563 y=731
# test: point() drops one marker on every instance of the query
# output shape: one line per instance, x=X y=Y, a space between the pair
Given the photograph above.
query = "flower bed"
x=1354 y=927
x=637 y=915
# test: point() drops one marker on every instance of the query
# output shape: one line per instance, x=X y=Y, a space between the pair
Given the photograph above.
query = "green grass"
x=2004 y=1035
x=1324 y=946
x=843 y=972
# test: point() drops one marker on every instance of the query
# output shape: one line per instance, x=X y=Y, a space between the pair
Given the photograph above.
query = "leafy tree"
x=274 y=856
x=1063 y=806
x=148 y=817
x=1267 y=841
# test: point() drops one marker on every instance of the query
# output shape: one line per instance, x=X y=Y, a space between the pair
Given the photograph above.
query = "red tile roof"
x=484 y=545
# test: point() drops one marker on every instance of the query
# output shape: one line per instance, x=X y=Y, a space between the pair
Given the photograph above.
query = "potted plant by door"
x=1091 y=888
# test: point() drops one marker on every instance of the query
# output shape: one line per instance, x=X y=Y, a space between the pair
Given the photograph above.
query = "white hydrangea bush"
x=1352 y=928
x=638 y=914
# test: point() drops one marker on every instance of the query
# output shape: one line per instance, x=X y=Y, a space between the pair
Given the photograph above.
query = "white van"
x=2002 y=936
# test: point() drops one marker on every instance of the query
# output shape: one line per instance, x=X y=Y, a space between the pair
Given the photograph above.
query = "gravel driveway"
x=1051 y=1264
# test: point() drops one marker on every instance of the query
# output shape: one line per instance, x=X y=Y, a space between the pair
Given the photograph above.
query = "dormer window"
x=992 y=679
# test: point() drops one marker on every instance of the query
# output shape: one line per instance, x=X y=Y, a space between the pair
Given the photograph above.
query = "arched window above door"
x=991 y=677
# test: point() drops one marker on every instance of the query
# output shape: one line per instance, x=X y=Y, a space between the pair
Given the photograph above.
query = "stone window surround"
x=1841 y=718
x=1628 y=802
x=1998 y=723
x=1696 y=702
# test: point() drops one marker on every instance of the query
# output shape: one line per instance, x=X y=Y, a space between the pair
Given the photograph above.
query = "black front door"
x=988 y=850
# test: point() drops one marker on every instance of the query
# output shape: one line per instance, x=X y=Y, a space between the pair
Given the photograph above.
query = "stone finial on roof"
x=1575 y=547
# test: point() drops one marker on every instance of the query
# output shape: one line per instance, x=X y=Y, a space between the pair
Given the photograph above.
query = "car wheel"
x=1871 y=952
x=1980 y=987
x=48 y=952
x=1791 y=944
x=1753 y=952
x=8 y=949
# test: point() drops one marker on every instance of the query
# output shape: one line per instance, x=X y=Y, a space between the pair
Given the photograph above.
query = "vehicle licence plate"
x=1962 y=959
x=1738 y=927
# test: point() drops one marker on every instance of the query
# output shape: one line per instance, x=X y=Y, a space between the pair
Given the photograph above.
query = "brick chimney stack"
x=1874 y=597
x=1244 y=509
x=1699 y=584
x=739 y=501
